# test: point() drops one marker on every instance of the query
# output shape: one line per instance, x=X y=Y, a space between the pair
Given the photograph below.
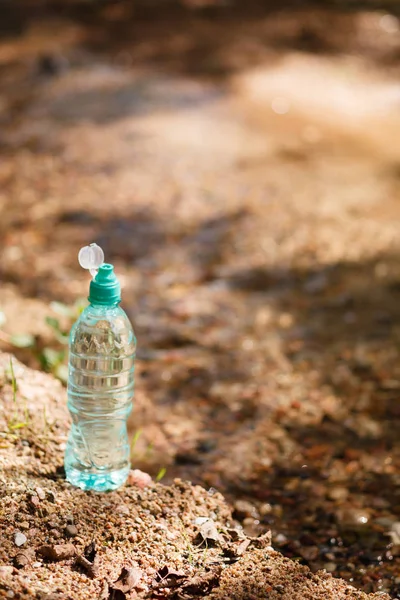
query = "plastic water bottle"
x=100 y=383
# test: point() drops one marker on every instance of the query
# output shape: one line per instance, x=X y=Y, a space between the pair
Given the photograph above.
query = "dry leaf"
x=129 y=578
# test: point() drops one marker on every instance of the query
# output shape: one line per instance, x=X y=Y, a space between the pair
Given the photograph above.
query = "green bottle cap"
x=105 y=288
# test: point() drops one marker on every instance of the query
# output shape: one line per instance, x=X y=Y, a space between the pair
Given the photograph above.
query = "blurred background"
x=239 y=163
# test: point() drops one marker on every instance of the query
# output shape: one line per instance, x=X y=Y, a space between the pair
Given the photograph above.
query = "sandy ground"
x=241 y=169
x=144 y=541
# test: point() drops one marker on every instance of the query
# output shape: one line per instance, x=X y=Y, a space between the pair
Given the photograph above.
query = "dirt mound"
x=143 y=541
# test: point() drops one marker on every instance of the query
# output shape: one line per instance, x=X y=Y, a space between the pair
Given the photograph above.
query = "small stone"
x=20 y=539
x=385 y=521
x=380 y=503
x=330 y=567
x=6 y=571
x=139 y=478
x=281 y=539
x=316 y=283
x=123 y=509
x=55 y=533
x=51 y=496
x=33 y=532
x=57 y=552
x=41 y=493
x=52 y=524
x=251 y=527
x=34 y=501
x=200 y=520
x=71 y=531
x=330 y=556
x=338 y=493
x=352 y=518
x=395 y=533
x=24 y=525
x=265 y=509
x=244 y=508
x=309 y=553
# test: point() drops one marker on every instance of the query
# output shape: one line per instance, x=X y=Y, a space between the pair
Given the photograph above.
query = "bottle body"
x=100 y=393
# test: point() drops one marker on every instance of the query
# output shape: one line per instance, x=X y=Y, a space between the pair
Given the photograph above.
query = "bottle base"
x=98 y=482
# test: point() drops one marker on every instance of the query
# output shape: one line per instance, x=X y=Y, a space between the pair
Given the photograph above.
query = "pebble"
x=385 y=521
x=251 y=527
x=170 y=535
x=34 y=501
x=6 y=571
x=265 y=509
x=123 y=509
x=330 y=567
x=139 y=478
x=338 y=493
x=57 y=552
x=352 y=517
x=71 y=531
x=41 y=493
x=55 y=533
x=380 y=503
x=20 y=539
x=316 y=283
x=52 y=524
x=51 y=495
x=395 y=533
x=310 y=553
x=200 y=520
x=33 y=532
x=244 y=508
x=281 y=539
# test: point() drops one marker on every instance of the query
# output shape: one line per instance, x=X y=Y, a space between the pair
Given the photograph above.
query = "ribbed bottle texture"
x=100 y=393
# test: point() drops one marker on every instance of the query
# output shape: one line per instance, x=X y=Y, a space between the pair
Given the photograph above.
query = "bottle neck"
x=102 y=307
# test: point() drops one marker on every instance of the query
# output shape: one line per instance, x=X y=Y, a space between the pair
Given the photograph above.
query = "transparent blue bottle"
x=100 y=384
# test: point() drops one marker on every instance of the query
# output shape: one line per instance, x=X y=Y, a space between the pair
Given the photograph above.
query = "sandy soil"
x=144 y=541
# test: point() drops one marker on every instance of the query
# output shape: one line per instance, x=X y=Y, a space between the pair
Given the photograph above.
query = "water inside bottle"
x=100 y=391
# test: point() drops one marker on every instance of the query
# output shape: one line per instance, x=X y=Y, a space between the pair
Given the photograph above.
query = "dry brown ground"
x=241 y=169
x=175 y=542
